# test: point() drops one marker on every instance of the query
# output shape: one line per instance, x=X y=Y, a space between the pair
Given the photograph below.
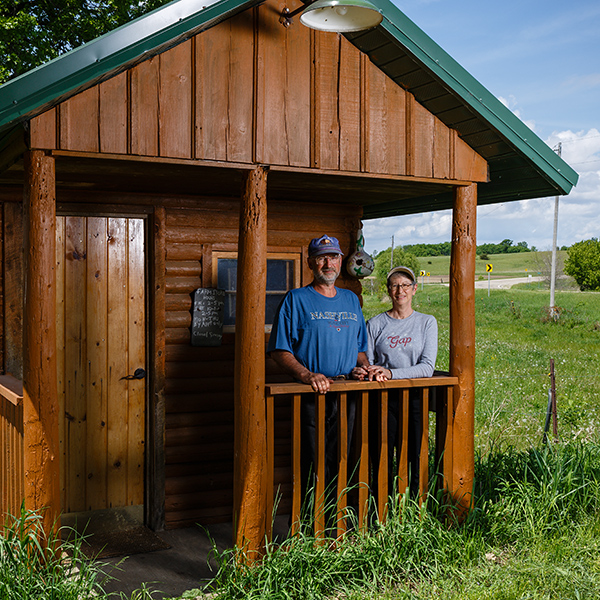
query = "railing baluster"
x=363 y=468
x=382 y=472
x=403 y=441
x=270 y=474
x=320 y=441
x=296 y=464
x=449 y=441
x=342 y=482
x=424 y=454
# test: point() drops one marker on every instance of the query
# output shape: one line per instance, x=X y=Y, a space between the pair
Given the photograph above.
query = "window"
x=283 y=274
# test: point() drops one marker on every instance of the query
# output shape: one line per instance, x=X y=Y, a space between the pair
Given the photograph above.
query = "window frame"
x=295 y=257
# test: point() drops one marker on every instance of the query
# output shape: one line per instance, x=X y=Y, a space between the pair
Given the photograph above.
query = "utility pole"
x=553 y=311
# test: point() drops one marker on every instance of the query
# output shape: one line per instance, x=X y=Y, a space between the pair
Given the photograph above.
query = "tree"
x=33 y=32
x=401 y=258
x=583 y=264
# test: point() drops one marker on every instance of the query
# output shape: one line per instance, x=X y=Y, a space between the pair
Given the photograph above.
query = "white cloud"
x=531 y=221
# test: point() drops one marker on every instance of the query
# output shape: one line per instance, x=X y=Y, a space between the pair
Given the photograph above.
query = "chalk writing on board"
x=207 y=317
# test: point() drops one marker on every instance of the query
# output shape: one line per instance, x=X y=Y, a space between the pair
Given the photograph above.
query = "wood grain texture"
x=250 y=483
x=79 y=122
x=40 y=400
x=42 y=130
x=175 y=100
x=462 y=341
x=282 y=90
x=113 y=114
x=144 y=93
x=13 y=288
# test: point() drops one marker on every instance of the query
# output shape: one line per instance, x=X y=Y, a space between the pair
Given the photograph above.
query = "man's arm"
x=288 y=362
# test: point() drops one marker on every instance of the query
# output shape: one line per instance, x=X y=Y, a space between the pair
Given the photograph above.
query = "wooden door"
x=101 y=322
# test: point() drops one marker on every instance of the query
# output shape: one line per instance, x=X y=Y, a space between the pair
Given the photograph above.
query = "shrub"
x=401 y=258
x=583 y=264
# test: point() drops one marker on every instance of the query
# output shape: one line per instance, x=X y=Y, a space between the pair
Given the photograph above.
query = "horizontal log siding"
x=199 y=381
x=249 y=90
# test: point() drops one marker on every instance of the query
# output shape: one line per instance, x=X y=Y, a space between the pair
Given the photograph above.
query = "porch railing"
x=439 y=402
x=11 y=444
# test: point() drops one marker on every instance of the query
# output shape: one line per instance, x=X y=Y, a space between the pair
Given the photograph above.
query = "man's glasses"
x=403 y=286
x=321 y=259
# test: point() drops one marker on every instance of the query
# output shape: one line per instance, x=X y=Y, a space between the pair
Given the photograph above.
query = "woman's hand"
x=378 y=373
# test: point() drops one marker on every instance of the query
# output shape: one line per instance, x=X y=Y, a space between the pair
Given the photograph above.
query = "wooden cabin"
x=202 y=148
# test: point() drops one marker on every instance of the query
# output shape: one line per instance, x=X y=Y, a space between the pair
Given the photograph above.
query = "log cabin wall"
x=199 y=381
x=251 y=91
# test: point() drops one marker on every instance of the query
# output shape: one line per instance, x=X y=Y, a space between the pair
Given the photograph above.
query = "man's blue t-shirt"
x=324 y=334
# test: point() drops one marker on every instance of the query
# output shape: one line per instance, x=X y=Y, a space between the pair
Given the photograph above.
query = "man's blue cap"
x=324 y=245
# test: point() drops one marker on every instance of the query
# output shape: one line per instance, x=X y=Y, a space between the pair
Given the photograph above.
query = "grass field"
x=519 y=264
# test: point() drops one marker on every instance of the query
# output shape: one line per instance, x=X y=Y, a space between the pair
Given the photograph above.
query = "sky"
x=541 y=58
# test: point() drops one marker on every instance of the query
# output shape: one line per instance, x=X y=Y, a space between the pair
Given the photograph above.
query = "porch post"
x=40 y=394
x=250 y=446
x=462 y=340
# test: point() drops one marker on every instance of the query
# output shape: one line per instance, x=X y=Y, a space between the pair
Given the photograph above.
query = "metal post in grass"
x=553 y=394
x=553 y=311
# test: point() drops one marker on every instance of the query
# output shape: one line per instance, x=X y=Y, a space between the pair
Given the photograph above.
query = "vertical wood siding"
x=101 y=339
x=249 y=90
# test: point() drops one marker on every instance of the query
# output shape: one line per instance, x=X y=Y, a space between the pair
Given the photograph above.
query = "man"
x=319 y=334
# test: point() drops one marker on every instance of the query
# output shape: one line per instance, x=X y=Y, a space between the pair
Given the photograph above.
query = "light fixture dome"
x=343 y=16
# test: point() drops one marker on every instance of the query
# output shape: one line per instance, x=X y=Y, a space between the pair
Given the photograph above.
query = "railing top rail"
x=274 y=389
x=11 y=388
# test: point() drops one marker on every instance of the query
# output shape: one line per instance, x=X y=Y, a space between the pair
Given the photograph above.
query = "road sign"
x=422 y=273
x=428 y=273
x=489 y=267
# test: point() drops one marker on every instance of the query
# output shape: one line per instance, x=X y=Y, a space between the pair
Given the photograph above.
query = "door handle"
x=138 y=374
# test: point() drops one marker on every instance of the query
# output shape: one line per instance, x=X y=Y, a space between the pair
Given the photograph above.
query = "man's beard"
x=325 y=278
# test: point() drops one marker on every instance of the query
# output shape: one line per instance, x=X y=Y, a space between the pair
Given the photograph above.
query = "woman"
x=402 y=345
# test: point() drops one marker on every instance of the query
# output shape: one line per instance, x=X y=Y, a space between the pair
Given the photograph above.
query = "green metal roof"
x=521 y=165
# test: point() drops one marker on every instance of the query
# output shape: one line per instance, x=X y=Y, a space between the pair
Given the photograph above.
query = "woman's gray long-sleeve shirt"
x=407 y=347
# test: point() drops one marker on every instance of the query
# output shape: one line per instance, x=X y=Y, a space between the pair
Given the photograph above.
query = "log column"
x=250 y=454
x=40 y=395
x=462 y=341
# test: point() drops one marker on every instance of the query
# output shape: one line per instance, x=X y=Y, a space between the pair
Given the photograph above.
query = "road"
x=504 y=284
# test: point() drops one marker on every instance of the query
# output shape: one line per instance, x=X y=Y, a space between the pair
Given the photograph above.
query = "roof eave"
x=463 y=85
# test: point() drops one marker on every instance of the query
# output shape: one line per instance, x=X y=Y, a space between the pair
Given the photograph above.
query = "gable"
x=520 y=165
x=251 y=91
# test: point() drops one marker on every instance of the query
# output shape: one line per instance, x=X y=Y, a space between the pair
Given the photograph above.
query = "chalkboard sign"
x=207 y=317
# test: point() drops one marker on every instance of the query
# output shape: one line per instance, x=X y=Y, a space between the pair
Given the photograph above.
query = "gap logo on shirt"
x=396 y=340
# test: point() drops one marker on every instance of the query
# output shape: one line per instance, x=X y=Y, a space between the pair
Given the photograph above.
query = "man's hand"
x=288 y=362
x=318 y=381
x=359 y=372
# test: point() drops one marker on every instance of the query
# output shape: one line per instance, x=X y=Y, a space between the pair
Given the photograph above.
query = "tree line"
x=444 y=248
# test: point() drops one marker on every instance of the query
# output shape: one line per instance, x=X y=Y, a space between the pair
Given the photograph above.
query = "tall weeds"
x=34 y=566
x=529 y=508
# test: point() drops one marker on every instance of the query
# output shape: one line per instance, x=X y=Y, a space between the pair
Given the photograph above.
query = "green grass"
x=36 y=567
x=533 y=533
x=519 y=264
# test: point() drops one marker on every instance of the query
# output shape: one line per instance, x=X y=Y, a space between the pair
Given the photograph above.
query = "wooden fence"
x=436 y=394
x=11 y=442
